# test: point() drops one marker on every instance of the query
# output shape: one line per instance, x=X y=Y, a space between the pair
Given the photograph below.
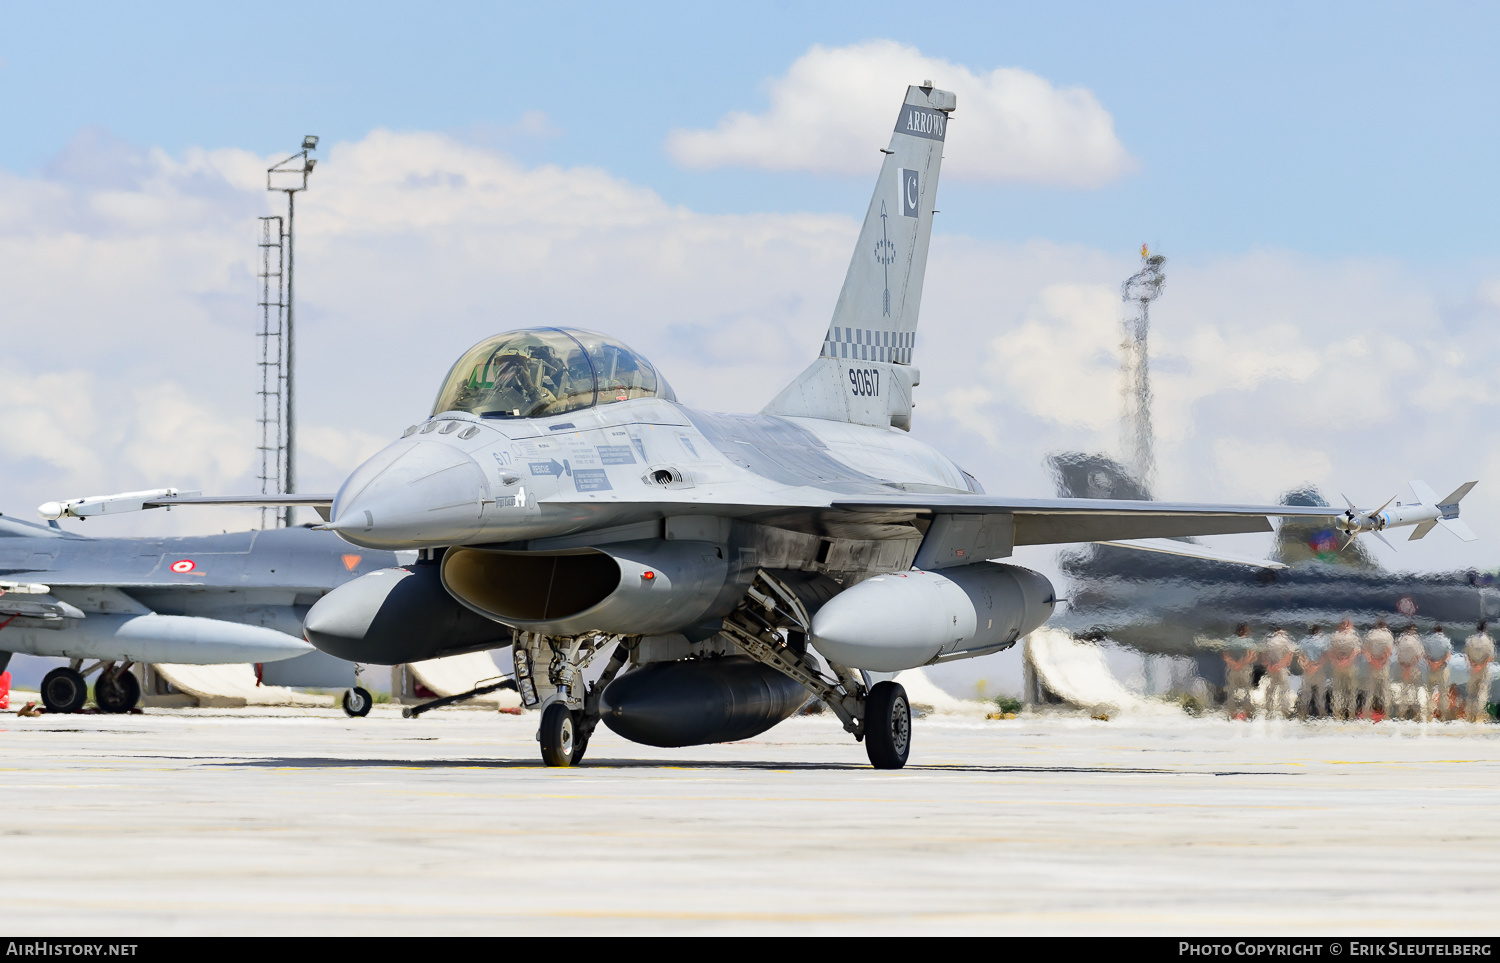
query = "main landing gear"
x=771 y=625
x=887 y=726
x=116 y=690
x=66 y=689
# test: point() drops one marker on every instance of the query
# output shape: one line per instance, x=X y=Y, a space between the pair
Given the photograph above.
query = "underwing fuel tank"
x=645 y=587
x=698 y=701
x=906 y=619
x=397 y=615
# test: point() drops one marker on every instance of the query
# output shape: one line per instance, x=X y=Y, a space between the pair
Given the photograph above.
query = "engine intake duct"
x=530 y=587
x=699 y=701
x=644 y=587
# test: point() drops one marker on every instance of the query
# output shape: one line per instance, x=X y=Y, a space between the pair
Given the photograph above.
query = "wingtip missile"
x=1428 y=511
x=107 y=504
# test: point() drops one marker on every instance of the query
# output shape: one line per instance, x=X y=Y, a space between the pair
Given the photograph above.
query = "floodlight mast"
x=1137 y=437
x=290 y=176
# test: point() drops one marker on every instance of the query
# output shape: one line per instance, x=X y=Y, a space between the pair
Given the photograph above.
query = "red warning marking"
x=351 y=562
x=183 y=565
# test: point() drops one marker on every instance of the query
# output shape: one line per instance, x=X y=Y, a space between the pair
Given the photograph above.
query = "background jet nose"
x=412 y=494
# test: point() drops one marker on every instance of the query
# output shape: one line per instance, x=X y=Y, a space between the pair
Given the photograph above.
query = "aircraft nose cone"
x=414 y=494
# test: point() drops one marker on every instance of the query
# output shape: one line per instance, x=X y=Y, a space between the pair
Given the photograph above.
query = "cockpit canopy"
x=547 y=371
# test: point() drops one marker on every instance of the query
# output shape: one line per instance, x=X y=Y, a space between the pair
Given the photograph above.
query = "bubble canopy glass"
x=546 y=371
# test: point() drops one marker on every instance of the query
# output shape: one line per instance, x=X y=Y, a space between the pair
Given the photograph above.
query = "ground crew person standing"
x=1437 y=648
x=1239 y=673
x=1310 y=656
x=1480 y=651
x=1277 y=658
x=1380 y=645
x=1409 y=692
x=1343 y=654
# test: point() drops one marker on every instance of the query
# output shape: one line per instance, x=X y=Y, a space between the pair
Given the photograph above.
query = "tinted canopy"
x=546 y=371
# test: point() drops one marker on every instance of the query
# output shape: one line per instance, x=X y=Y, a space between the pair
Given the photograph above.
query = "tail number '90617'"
x=865 y=381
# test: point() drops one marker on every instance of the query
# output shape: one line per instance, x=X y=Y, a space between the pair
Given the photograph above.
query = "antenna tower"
x=1137 y=439
x=278 y=422
x=272 y=367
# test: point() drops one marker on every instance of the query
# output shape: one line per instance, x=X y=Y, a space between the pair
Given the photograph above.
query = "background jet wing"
x=1049 y=521
x=1167 y=546
x=49 y=607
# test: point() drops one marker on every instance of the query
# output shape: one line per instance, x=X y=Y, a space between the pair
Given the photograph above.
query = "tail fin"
x=864 y=374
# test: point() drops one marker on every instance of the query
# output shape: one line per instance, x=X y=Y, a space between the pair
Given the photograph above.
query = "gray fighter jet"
x=1165 y=604
x=735 y=562
x=232 y=598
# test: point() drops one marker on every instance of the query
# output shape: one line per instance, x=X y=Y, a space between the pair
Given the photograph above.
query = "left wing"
x=966 y=528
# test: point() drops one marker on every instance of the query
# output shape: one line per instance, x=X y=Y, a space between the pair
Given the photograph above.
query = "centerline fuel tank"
x=693 y=702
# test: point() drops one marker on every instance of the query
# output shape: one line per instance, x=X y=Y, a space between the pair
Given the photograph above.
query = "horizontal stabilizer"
x=1167 y=546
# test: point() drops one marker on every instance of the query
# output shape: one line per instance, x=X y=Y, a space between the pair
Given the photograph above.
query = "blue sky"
x=1331 y=129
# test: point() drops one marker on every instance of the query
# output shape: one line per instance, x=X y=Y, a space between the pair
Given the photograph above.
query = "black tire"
x=557 y=735
x=119 y=693
x=580 y=742
x=357 y=702
x=887 y=726
x=63 y=690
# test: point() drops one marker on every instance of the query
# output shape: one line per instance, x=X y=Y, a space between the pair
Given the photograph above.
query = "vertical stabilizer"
x=863 y=374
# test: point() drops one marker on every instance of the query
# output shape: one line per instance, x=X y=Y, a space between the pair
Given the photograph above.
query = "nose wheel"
x=887 y=726
x=558 y=735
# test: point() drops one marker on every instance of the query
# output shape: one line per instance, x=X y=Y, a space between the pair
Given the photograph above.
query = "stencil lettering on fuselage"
x=616 y=455
x=591 y=480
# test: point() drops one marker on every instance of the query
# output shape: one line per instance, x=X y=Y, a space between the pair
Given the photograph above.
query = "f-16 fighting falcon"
x=200 y=600
x=735 y=563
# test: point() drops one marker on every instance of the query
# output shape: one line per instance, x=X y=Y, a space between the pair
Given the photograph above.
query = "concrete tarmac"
x=305 y=822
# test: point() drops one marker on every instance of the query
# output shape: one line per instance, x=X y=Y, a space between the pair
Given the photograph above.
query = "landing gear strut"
x=771 y=625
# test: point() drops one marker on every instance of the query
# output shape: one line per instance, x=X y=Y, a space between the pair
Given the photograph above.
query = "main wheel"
x=887 y=726
x=556 y=735
x=357 y=702
x=63 y=690
x=118 y=693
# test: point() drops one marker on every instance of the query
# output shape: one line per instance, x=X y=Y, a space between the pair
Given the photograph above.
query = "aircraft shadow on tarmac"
x=326 y=762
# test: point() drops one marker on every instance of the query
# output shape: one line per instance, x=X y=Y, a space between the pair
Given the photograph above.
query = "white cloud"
x=129 y=356
x=835 y=105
